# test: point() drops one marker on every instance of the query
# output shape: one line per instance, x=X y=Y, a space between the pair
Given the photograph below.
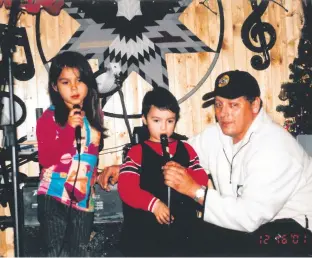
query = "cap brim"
x=208 y=103
x=209 y=95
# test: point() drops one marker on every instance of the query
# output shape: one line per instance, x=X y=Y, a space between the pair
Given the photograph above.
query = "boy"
x=147 y=230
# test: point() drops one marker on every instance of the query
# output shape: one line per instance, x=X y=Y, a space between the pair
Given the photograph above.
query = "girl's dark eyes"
x=67 y=82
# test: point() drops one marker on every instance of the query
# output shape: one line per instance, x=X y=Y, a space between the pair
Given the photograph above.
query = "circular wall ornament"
x=134 y=36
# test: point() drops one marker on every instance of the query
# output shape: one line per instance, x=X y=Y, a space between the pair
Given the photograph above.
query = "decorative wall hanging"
x=134 y=36
x=253 y=34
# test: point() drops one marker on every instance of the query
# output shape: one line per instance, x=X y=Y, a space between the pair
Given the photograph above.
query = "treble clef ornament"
x=254 y=31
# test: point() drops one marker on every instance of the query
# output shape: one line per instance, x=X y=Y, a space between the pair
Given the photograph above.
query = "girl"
x=65 y=193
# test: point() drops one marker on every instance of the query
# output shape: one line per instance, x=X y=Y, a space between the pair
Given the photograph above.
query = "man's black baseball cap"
x=234 y=84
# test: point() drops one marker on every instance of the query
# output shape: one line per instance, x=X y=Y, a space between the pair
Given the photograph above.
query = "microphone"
x=164 y=146
x=78 y=130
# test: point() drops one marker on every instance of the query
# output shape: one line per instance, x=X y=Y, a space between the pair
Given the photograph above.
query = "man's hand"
x=161 y=212
x=108 y=177
x=176 y=177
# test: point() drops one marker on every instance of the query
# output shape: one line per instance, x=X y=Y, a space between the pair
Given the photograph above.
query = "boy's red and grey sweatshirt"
x=129 y=178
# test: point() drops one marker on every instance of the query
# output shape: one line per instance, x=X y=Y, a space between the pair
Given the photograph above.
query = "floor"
x=107 y=233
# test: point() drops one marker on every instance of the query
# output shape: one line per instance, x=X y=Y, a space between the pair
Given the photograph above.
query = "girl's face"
x=159 y=122
x=71 y=88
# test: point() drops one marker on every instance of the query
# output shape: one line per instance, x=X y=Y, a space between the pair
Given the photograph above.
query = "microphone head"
x=164 y=139
x=78 y=107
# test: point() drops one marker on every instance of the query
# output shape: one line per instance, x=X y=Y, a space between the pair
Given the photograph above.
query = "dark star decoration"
x=134 y=34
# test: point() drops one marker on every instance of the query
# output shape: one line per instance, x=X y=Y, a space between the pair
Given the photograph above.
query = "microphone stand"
x=10 y=130
x=119 y=79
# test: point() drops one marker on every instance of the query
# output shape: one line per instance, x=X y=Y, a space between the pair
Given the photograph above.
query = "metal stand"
x=10 y=130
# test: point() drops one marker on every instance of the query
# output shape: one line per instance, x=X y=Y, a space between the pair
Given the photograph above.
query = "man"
x=262 y=203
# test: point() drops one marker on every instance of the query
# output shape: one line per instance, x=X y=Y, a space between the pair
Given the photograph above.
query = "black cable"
x=124 y=112
x=114 y=147
x=111 y=152
x=109 y=114
x=206 y=4
x=70 y=209
x=39 y=45
x=280 y=4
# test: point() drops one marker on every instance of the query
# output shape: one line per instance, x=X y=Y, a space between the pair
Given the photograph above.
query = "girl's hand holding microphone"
x=75 y=117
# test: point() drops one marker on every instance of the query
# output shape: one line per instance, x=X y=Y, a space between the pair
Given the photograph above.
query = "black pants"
x=54 y=222
x=146 y=241
x=283 y=237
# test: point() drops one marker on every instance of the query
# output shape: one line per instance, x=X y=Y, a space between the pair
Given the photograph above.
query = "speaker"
x=106 y=229
x=30 y=205
x=107 y=205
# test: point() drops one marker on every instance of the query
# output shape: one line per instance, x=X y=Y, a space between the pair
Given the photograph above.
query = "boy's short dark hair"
x=162 y=99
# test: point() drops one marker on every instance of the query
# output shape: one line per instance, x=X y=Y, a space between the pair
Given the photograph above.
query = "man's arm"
x=271 y=177
x=177 y=177
x=108 y=177
x=268 y=185
x=205 y=145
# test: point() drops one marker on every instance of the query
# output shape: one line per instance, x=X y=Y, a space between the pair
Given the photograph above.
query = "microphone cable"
x=70 y=208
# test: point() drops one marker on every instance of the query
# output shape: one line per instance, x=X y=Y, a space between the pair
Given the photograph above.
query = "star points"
x=137 y=35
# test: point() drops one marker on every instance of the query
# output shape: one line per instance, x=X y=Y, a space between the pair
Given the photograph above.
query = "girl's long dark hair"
x=91 y=105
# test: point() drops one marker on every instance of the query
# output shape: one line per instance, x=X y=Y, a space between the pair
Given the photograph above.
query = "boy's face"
x=159 y=121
